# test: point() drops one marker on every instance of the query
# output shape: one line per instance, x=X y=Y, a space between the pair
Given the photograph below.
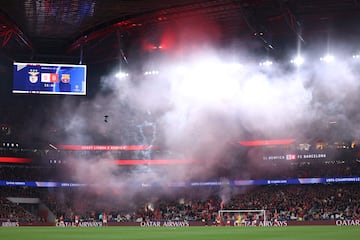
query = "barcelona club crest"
x=65 y=78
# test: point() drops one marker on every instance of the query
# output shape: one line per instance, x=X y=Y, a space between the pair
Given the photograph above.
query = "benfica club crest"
x=33 y=78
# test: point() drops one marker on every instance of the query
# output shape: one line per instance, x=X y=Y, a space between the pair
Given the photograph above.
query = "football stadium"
x=183 y=119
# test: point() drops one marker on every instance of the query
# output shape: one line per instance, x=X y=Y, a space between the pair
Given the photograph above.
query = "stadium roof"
x=99 y=31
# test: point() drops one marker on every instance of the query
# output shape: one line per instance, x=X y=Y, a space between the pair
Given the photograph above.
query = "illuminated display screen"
x=296 y=156
x=295 y=181
x=42 y=78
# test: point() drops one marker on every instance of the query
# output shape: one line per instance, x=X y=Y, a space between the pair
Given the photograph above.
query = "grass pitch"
x=186 y=233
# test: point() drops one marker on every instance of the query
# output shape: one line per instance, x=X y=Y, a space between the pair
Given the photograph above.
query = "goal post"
x=232 y=213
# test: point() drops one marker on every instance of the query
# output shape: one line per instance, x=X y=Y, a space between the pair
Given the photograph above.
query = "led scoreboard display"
x=44 y=78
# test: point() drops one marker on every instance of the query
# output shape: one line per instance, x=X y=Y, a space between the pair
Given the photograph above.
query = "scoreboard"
x=44 y=78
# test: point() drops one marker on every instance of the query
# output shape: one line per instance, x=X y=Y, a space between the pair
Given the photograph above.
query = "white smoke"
x=195 y=108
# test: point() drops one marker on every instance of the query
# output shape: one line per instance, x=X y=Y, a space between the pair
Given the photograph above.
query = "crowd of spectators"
x=12 y=212
x=267 y=170
x=304 y=202
x=32 y=173
x=276 y=170
x=287 y=202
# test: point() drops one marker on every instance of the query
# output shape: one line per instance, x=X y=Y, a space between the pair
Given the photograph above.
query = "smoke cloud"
x=199 y=107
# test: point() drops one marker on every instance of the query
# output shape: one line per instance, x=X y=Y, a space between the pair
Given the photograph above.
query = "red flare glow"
x=14 y=160
x=152 y=162
x=267 y=142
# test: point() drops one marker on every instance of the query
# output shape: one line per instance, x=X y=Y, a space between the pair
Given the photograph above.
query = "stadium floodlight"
x=327 y=58
x=180 y=69
x=266 y=63
x=298 y=60
x=235 y=67
x=153 y=72
x=121 y=75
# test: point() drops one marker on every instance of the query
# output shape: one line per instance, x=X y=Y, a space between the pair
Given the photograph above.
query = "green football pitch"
x=187 y=233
